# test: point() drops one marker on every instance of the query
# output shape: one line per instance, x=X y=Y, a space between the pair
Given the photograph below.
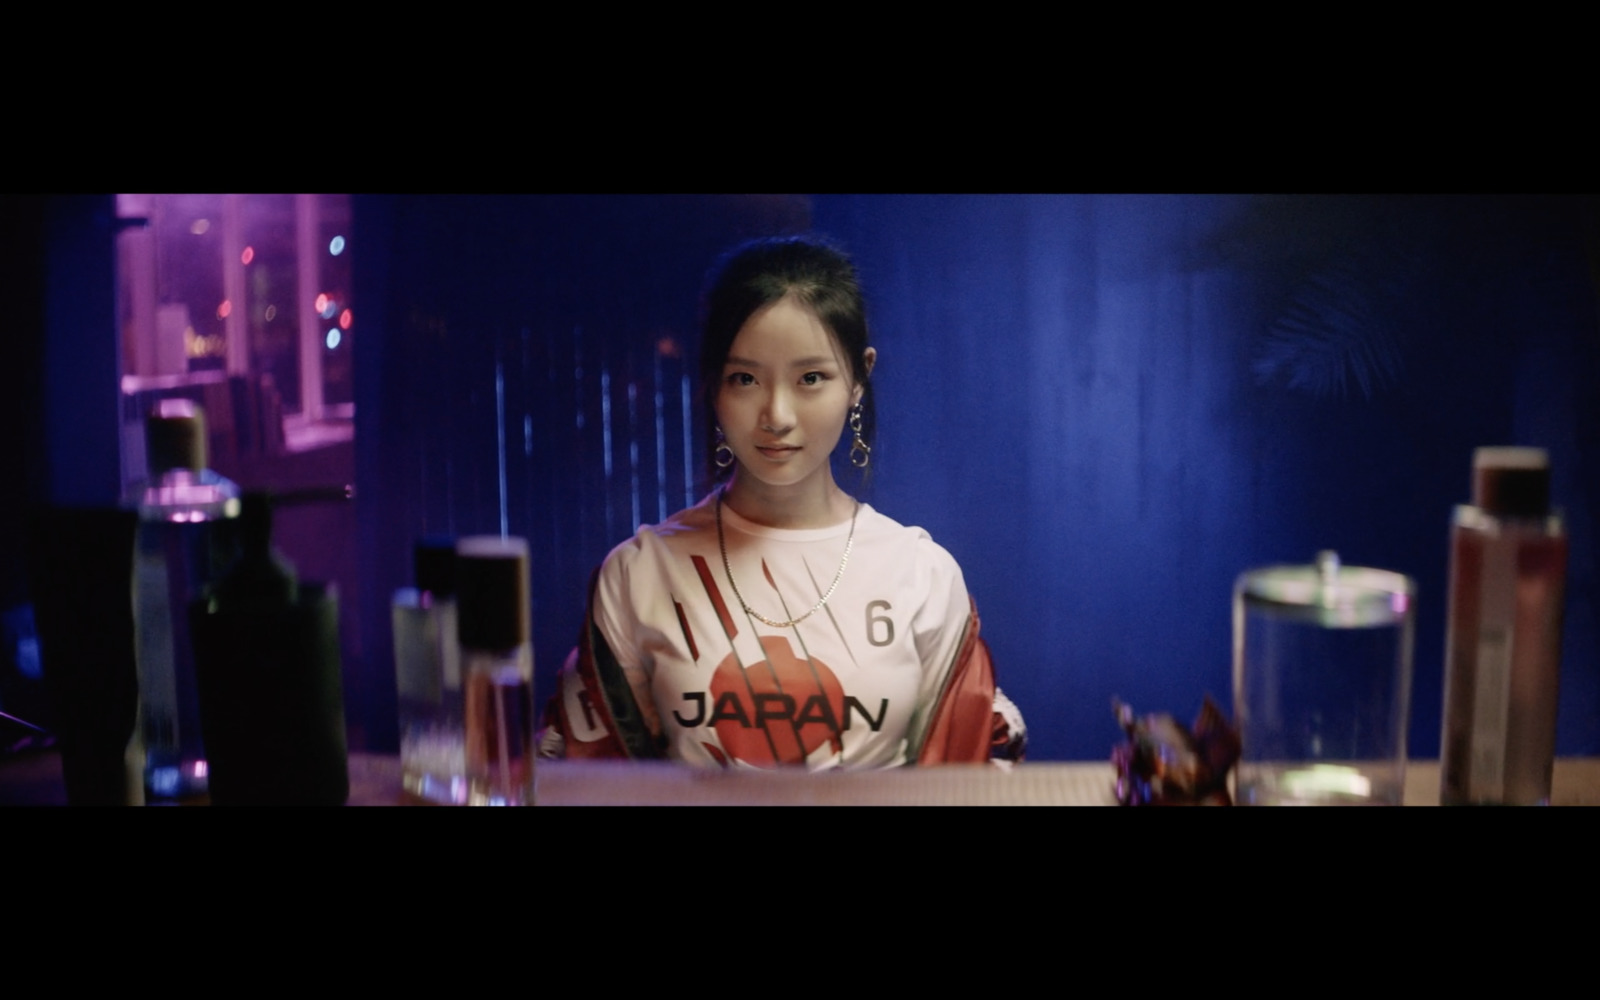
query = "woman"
x=780 y=621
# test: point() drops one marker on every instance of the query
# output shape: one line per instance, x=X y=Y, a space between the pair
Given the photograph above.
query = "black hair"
x=753 y=275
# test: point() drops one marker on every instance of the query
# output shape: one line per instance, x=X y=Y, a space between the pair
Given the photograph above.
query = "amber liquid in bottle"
x=1502 y=653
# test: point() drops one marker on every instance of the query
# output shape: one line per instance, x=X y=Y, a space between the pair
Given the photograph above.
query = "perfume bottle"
x=427 y=660
x=1508 y=563
x=181 y=547
x=493 y=608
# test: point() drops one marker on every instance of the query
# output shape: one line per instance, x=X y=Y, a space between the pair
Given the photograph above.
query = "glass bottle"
x=181 y=547
x=1508 y=570
x=493 y=607
x=428 y=678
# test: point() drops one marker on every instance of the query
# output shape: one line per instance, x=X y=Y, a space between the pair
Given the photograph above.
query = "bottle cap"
x=433 y=562
x=493 y=600
x=1511 y=482
x=175 y=437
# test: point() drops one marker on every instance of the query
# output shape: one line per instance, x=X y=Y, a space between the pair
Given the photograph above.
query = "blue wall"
x=1105 y=406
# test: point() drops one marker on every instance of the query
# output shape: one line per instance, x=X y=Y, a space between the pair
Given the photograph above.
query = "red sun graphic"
x=778 y=710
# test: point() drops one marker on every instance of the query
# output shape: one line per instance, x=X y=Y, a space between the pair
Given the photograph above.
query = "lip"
x=776 y=451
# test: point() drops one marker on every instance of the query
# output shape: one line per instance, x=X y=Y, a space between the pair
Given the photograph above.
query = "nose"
x=777 y=417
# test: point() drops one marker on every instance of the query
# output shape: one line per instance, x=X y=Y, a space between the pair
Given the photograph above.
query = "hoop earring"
x=860 y=451
x=717 y=454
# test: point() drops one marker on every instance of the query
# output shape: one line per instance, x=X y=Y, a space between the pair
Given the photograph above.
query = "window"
x=242 y=303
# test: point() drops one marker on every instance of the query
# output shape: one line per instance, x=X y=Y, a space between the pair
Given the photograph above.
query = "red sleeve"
x=963 y=727
x=572 y=685
x=592 y=682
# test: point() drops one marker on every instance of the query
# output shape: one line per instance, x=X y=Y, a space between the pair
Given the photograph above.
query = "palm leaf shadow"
x=1338 y=333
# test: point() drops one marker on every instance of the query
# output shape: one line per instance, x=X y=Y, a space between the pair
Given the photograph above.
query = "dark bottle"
x=1508 y=568
x=271 y=693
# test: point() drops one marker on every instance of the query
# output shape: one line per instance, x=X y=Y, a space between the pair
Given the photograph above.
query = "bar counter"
x=35 y=779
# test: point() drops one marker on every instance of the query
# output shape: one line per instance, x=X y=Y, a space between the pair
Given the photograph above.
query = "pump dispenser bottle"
x=181 y=548
x=1508 y=563
x=494 y=621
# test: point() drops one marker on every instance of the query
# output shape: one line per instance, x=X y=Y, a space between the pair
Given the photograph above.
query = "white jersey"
x=853 y=685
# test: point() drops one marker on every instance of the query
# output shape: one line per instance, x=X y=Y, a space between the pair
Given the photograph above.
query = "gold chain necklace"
x=723 y=545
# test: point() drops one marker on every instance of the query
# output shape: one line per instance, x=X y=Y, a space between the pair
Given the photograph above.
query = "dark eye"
x=741 y=378
x=812 y=378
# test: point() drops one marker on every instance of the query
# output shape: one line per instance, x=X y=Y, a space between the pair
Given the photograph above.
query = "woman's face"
x=786 y=392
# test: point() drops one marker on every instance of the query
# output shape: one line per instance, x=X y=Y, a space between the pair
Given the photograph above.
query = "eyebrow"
x=813 y=362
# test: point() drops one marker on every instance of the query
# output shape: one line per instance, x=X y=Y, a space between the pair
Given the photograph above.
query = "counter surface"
x=375 y=780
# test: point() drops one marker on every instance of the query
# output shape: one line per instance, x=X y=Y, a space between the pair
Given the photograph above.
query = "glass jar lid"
x=1328 y=593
